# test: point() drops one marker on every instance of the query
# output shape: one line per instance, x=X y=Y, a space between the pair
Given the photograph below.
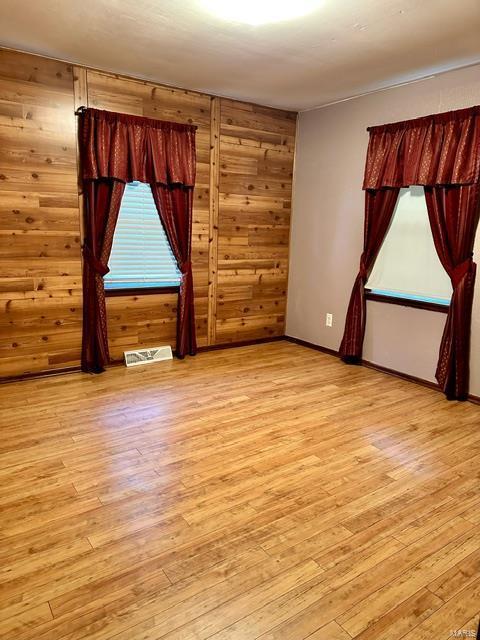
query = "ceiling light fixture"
x=257 y=12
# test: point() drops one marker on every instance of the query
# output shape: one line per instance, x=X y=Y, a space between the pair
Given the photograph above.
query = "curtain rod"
x=80 y=110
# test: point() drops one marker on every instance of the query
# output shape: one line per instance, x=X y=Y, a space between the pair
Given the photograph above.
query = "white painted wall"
x=327 y=226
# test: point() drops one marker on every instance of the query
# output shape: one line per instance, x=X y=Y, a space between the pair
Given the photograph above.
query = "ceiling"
x=344 y=48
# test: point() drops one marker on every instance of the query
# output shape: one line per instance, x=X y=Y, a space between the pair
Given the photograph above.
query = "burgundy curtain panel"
x=379 y=208
x=115 y=149
x=453 y=214
x=175 y=204
x=102 y=204
x=442 y=153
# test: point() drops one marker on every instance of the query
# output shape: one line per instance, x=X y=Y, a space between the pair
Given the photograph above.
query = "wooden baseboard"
x=115 y=363
x=367 y=363
x=247 y=343
x=377 y=367
x=47 y=373
x=474 y=399
x=241 y=343
x=224 y=345
x=311 y=345
x=399 y=374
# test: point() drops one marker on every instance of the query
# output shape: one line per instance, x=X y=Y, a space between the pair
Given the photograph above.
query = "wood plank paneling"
x=256 y=164
x=213 y=227
x=240 y=223
x=40 y=270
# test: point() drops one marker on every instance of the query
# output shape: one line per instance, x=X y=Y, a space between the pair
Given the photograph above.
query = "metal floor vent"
x=147 y=356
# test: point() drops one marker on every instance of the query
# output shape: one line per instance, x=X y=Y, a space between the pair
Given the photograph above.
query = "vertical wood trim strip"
x=80 y=99
x=290 y=220
x=80 y=89
x=213 y=219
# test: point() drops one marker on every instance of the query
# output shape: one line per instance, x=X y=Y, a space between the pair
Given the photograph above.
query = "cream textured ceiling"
x=345 y=48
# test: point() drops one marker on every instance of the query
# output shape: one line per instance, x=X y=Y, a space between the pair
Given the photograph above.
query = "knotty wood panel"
x=256 y=164
x=240 y=229
x=40 y=269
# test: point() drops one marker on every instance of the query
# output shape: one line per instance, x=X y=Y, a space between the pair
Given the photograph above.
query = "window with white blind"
x=141 y=254
x=407 y=265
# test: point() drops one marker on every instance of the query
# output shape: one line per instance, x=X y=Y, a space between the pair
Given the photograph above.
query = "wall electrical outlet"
x=329 y=319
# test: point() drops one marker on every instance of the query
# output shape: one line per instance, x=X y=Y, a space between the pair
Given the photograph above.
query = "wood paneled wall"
x=241 y=215
x=40 y=268
x=256 y=162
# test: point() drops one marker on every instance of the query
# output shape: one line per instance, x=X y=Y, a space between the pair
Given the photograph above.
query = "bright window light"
x=407 y=265
x=256 y=12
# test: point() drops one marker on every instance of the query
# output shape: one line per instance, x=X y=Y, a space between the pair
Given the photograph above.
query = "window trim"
x=141 y=291
x=406 y=302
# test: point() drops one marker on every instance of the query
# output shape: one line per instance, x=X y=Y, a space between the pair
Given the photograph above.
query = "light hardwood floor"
x=262 y=492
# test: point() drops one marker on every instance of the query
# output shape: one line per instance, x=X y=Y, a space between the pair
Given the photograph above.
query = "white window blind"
x=407 y=265
x=141 y=254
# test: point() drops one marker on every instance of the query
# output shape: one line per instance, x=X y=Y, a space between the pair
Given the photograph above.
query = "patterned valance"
x=441 y=149
x=128 y=148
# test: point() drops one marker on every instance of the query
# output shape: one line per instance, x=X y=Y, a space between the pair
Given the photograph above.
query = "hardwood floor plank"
x=359 y=617
x=457 y=577
x=326 y=598
x=12 y=627
x=209 y=624
x=407 y=615
x=267 y=492
x=460 y=613
x=332 y=631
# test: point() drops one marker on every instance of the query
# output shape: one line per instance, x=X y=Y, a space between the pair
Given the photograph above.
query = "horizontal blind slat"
x=141 y=252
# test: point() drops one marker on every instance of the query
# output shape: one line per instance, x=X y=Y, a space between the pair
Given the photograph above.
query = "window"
x=407 y=265
x=141 y=254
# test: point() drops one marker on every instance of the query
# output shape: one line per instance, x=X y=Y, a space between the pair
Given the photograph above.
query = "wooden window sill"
x=140 y=291
x=407 y=302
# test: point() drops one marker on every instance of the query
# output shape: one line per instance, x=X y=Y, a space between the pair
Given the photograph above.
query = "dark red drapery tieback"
x=461 y=271
x=185 y=267
x=363 y=272
x=96 y=264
